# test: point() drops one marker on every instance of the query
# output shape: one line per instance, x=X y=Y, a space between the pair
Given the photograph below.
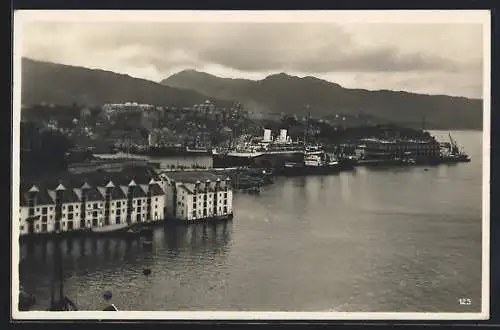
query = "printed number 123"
x=464 y=301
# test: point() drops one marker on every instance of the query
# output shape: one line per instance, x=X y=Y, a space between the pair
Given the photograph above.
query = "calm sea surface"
x=374 y=240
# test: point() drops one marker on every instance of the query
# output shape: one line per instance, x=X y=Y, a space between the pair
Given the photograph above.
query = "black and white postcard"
x=328 y=165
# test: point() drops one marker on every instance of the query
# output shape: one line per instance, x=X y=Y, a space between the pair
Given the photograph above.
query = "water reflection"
x=88 y=257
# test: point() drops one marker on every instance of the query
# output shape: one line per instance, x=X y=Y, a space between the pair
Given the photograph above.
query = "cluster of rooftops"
x=142 y=178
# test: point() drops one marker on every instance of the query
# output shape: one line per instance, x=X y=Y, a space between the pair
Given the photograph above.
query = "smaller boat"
x=109 y=229
x=314 y=164
x=451 y=153
x=133 y=232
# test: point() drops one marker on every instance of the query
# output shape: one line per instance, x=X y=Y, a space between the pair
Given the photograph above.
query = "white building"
x=267 y=135
x=87 y=200
x=283 y=136
x=197 y=196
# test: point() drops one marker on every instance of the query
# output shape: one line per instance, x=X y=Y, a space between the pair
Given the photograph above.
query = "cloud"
x=154 y=50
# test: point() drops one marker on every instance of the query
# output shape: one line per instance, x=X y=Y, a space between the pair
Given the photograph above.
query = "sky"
x=432 y=58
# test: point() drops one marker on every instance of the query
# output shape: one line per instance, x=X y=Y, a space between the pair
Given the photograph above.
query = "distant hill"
x=290 y=95
x=64 y=84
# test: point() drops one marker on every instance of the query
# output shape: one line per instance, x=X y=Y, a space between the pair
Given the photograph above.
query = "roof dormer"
x=34 y=189
x=60 y=187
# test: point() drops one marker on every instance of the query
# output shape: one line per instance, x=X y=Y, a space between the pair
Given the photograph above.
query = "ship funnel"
x=283 y=135
x=267 y=135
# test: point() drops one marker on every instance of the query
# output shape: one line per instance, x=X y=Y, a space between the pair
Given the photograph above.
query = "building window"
x=225 y=195
x=118 y=212
x=44 y=210
x=76 y=207
x=94 y=214
x=44 y=219
x=118 y=204
x=51 y=208
x=225 y=209
x=156 y=199
x=21 y=228
x=139 y=202
x=64 y=207
x=44 y=228
x=94 y=222
x=95 y=205
x=112 y=203
x=70 y=208
x=70 y=225
x=38 y=209
x=70 y=216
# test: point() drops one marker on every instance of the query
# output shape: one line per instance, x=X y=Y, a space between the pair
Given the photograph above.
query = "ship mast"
x=306 y=133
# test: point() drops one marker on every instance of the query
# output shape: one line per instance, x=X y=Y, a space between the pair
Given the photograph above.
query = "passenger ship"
x=266 y=153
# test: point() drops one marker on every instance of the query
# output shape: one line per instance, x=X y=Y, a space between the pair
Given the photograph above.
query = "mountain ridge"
x=290 y=94
x=278 y=93
x=74 y=84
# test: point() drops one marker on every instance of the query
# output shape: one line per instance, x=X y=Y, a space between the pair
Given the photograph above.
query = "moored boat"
x=111 y=229
x=313 y=164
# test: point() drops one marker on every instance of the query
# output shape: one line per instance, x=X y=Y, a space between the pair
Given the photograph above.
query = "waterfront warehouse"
x=197 y=196
x=86 y=201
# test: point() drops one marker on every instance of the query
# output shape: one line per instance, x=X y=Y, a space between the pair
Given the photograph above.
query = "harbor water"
x=405 y=239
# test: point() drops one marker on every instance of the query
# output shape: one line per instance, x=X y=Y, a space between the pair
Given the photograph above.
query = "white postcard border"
x=393 y=16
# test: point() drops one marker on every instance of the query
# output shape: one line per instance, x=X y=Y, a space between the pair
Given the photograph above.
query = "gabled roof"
x=69 y=196
x=94 y=195
x=156 y=190
x=43 y=198
x=186 y=189
x=90 y=180
x=117 y=193
x=138 y=192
